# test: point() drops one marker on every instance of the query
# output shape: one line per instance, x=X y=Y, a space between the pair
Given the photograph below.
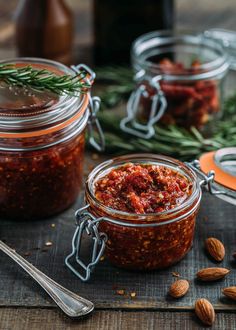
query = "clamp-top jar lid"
x=144 y=240
x=179 y=78
x=29 y=113
x=42 y=141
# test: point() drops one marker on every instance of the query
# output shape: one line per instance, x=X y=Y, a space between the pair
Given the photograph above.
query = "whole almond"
x=215 y=248
x=179 y=288
x=230 y=292
x=212 y=274
x=205 y=311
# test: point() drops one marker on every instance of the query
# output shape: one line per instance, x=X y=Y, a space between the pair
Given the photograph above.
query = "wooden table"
x=23 y=304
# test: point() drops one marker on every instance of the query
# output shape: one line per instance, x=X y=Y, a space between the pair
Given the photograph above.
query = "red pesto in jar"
x=142 y=189
x=149 y=191
x=37 y=183
x=189 y=103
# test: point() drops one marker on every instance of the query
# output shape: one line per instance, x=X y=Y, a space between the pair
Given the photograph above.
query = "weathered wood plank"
x=151 y=288
x=32 y=319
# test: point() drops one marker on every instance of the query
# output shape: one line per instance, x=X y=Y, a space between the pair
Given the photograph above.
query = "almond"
x=230 y=292
x=205 y=311
x=179 y=288
x=215 y=248
x=212 y=274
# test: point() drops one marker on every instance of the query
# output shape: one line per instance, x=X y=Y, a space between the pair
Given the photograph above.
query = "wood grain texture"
x=151 y=309
x=25 y=319
x=151 y=288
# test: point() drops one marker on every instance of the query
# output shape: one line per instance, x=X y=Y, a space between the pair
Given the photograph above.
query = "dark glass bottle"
x=44 y=28
x=118 y=22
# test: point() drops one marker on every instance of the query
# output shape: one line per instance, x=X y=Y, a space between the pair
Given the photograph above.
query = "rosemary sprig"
x=28 y=76
x=170 y=140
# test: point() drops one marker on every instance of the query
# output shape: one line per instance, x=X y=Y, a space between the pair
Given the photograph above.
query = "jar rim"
x=146 y=42
x=67 y=110
x=144 y=158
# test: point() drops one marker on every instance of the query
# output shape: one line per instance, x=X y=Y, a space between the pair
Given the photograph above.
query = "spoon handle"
x=71 y=304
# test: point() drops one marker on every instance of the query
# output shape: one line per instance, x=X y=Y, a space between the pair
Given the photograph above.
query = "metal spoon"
x=71 y=304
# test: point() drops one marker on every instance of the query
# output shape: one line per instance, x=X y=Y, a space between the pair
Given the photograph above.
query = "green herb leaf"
x=28 y=76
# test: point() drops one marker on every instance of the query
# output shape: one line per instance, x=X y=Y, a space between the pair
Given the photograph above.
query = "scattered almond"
x=179 y=288
x=132 y=294
x=205 y=311
x=215 y=248
x=230 y=292
x=212 y=274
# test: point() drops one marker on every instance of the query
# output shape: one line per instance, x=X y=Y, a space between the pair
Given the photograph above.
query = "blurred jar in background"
x=44 y=28
x=117 y=23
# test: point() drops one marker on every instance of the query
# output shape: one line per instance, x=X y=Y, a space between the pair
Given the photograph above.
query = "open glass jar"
x=42 y=137
x=144 y=241
x=179 y=80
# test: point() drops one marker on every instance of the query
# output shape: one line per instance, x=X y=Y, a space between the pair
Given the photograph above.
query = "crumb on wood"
x=95 y=156
x=175 y=274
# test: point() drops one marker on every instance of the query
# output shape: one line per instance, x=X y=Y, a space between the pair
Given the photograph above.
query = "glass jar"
x=146 y=241
x=137 y=241
x=42 y=137
x=179 y=81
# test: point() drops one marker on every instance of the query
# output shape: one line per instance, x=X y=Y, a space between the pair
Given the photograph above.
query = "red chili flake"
x=120 y=292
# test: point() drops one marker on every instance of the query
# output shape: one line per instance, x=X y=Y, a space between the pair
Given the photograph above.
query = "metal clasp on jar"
x=96 y=136
x=208 y=181
x=87 y=224
x=130 y=124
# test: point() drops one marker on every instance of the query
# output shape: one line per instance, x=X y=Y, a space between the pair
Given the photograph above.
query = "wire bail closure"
x=86 y=225
x=130 y=123
x=94 y=126
x=208 y=179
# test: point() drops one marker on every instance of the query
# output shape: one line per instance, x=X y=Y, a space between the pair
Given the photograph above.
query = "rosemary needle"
x=170 y=140
x=41 y=79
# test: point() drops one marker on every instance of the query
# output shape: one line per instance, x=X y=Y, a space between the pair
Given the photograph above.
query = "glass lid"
x=223 y=163
x=228 y=40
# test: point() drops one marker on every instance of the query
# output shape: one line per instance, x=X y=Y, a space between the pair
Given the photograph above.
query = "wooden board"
x=23 y=305
x=22 y=318
x=216 y=218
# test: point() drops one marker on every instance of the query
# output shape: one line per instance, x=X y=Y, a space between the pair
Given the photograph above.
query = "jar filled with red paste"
x=146 y=205
x=42 y=138
x=179 y=80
